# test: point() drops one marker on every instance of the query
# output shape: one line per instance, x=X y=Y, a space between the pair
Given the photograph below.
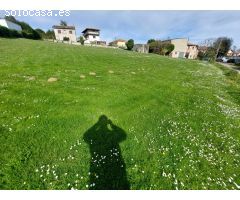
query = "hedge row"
x=10 y=33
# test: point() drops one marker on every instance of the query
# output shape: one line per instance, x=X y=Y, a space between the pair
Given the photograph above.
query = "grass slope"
x=174 y=123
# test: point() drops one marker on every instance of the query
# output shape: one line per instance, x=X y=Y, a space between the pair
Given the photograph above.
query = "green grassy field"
x=141 y=122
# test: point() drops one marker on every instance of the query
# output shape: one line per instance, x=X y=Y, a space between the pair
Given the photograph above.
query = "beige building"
x=180 y=47
x=118 y=43
x=183 y=49
x=141 y=48
x=65 y=33
x=192 y=51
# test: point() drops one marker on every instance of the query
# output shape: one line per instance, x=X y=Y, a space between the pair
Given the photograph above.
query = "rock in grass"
x=82 y=76
x=133 y=72
x=111 y=72
x=92 y=73
x=31 y=78
x=52 y=79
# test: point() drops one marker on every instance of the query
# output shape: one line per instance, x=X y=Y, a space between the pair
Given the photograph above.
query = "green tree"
x=9 y=33
x=130 y=44
x=222 y=45
x=50 y=34
x=11 y=19
x=63 y=23
x=161 y=48
x=26 y=27
x=150 y=41
x=166 y=49
x=81 y=40
x=4 y=32
x=36 y=35
x=155 y=47
x=27 y=30
x=41 y=33
x=210 y=54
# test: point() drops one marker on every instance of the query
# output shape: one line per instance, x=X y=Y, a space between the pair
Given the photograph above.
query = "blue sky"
x=143 y=25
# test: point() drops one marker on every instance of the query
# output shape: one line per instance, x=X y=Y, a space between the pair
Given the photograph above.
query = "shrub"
x=154 y=47
x=66 y=39
x=161 y=48
x=35 y=35
x=15 y=34
x=81 y=40
x=41 y=33
x=27 y=35
x=9 y=33
x=210 y=54
x=50 y=34
x=130 y=44
x=167 y=48
x=4 y=32
x=200 y=55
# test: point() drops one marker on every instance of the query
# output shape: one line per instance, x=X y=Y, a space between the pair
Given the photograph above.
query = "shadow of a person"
x=107 y=167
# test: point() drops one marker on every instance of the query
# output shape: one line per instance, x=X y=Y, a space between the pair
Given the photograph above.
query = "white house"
x=65 y=33
x=10 y=25
x=91 y=35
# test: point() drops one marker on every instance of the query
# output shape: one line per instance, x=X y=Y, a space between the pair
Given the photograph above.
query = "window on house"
x=94 y=36
x=70 y=32
x=59 y=31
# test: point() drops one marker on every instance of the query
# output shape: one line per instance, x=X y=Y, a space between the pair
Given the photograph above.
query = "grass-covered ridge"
x=172 y=123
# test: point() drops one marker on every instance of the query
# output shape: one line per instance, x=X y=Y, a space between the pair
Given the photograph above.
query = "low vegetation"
x=160 y=47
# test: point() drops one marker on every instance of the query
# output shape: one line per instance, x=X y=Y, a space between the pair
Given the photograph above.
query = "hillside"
x=176 y=121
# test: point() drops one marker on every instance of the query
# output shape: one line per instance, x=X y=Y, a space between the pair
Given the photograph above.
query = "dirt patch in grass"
x=82 y=76
x=92 y=73
x=52 y=79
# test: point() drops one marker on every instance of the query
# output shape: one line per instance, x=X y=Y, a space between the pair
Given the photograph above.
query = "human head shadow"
x=107 y=167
